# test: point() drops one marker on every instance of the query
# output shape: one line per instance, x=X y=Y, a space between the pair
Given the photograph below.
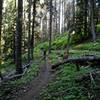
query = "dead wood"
x=77 y=60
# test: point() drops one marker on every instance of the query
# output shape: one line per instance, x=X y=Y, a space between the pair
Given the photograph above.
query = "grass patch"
x=89 y=46
x=78 y=53
x=6 y=90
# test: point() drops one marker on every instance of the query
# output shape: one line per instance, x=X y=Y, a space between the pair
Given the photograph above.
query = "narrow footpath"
x=38 y=84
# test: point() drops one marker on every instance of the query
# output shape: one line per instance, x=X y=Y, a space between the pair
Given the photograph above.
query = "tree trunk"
x=29 y=31
x=85 y=17
x=14 y=36
x=92 y=20
x=73 y=10
x=55 y=17
x=50 y=29
x=18 y=38
x=33 y=32
x=1 y=4
x=59 y=16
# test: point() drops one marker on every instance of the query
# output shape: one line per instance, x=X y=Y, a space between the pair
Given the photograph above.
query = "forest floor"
x=41 y=83
x=46 y=76
x=33 y=90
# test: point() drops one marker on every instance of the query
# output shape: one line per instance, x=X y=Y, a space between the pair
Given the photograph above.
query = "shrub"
x=98 y=27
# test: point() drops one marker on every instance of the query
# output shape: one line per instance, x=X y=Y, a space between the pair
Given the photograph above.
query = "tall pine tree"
x=18 y=38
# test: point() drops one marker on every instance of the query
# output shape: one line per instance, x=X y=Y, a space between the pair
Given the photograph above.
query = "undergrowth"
x=89 y=46
x=64 y=86
x=7 y=89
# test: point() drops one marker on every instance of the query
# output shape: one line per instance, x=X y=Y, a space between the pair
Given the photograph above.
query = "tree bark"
x=85 y=17
x=29 y=31
x=14 y=35
x=92 y=20
x=18 y=38
x=33 y=32
x=56 y=17
x=1 y=4
x=59 y=16
x=50 y=29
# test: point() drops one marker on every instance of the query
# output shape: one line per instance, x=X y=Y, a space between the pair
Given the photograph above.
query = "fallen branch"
x=77 y=60
x=13 y=74
x=92 y=79
x=89 y=76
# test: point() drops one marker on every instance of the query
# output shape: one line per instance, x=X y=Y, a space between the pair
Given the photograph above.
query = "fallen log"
x=13 y=75
x=77 y=60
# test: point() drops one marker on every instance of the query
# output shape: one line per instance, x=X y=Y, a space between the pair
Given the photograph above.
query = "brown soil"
x=32 y=92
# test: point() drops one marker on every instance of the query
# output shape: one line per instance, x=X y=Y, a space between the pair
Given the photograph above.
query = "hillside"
x=49 y=49
x=67 y=82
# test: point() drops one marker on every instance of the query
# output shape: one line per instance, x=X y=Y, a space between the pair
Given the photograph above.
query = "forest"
x=49 y=49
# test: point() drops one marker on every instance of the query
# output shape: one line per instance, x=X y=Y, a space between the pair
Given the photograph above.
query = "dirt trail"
x=40 y=82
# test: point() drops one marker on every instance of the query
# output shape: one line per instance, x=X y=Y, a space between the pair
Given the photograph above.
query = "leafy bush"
x=7 y=66
x=59 y=42
x=98 y=27
x=79 y=37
